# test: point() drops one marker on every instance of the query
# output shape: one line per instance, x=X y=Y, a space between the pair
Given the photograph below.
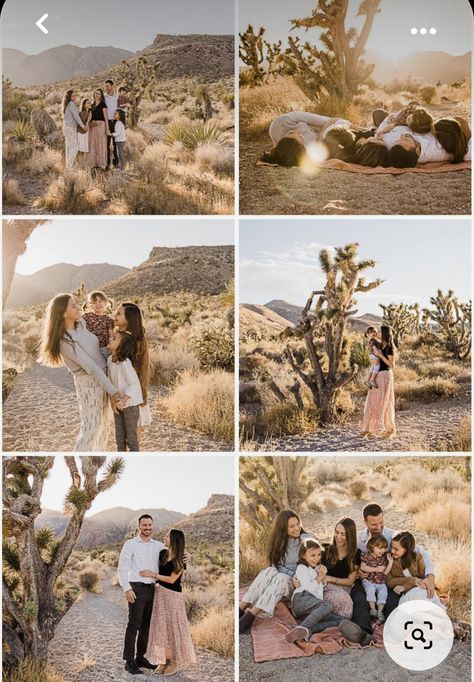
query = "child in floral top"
x=97 y=321
x=377 y=563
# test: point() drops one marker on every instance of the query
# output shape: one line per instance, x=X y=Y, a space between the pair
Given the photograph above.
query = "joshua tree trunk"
x=329 y=371
x=33 y=558
x=15 y=235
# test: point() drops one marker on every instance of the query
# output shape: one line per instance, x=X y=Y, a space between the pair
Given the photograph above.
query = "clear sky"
x=391 y=29
x=181 y=483
x=119 y=242
x=279 y=258
x=128 y=24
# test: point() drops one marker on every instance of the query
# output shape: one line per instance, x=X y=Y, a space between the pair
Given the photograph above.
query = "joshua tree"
x=453 y=324
x=15 y=235
x=254 y=51
x=402 y=318
x=138 y=76
x=327 y=320
x=270 y=484
x=203 y=102
x=338 y=69
x=34 y=600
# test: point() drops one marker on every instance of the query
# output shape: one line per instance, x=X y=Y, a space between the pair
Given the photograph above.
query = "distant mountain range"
x=65 y=62
x=213 y=524
x=41 y=286
x=203 y=56
x=430 y=67
x=276 y=315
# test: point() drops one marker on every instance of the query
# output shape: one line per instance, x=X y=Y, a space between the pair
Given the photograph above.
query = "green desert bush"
x=22 y=132
x=213 y=344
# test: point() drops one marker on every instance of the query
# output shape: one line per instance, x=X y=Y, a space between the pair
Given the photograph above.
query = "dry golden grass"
x=45 y=161
x=74 y=192
x=89 y=580
x=453 y=575
x=216 y=632
x=32 y=671
x=204 y=401
x=213 y=157
x=252 y=551
x=12 y=193
x=448 y=520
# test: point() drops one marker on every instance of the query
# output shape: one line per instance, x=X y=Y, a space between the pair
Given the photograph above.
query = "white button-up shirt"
x=111 y=102
x=136 y=556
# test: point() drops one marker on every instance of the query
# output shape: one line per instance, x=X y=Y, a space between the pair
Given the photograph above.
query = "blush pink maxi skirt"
x=170 y=636
x=379 y=410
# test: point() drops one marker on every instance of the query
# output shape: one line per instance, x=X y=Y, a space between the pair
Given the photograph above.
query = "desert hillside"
x=198 y=269
x=41 y=286
x=259 y=320
x=109 y=526
x=431 y=66
x=61 y=63
x=213 y=524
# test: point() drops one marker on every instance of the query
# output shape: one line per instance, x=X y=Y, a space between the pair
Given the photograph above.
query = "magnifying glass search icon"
x=419 y=635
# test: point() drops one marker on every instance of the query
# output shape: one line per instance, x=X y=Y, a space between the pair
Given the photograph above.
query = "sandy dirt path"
x=421 y=427
x=88 y=644
x=41 y=415
x=288 y=191
x=354 y=665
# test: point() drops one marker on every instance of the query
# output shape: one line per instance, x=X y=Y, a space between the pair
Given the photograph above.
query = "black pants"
x=114 y=146
x=139 y=616
x=360 y=613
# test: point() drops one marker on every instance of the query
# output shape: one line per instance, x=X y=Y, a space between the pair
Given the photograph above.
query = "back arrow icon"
x=39 y=23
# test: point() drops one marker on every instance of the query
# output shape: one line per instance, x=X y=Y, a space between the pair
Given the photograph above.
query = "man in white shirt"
x=139 y=554
x=111 y=102
x=374 y=525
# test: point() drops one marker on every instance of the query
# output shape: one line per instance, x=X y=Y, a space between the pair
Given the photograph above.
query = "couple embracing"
x=149 y=572
x=357 y=579
x=107 y=356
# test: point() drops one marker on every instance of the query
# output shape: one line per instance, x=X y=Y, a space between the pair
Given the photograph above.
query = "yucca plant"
x=22 y=131
x=200 y=133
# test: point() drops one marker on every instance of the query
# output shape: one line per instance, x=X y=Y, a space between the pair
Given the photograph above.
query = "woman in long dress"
x=98 y=129
x=71 y=122
x=169 y=643
x=379 y=410
x=83 y=136
x=66 y=340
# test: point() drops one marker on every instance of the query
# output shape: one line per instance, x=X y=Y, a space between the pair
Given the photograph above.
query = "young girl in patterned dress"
x=169 y=642
x=97 y=321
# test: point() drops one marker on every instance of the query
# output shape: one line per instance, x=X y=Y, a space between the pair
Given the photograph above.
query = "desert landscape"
x=322 y=491
x=87 y=590
x=308 y=66
x=187 y=297
x=303 y=368
x=180 y=128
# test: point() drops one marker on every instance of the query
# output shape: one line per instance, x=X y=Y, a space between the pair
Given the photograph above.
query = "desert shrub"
x=453 y=575
x=54 y=97
x=22 y=132
x=46 y=161
x=166 y=364
x=191 y=134
x=15 y=104
x=89 y=580
x=426 y=390
x=216 y=632
x=328 y=472
x=153 y=165
x=205 y=402
x=449 y=520
x=252 y=555
x=216 y=158
x=259 y=106
x=288 y=419
x=357 y=488
x=136 y=143
x=461 y=439
x=12 y=193
x=445 y=369
x=31 y=671
x=213 y=344
x=74 y=192
x=427 y=93
x=42 y=123
x=9 y=376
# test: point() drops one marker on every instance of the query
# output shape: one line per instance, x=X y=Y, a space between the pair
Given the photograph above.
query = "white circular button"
x=433 y=31
x=423 y=31
x=418 y=635
x=414 y=31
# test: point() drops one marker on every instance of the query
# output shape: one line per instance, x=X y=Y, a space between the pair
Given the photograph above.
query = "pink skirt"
x=379 y=410
x=339 y=599
x=98 y=140
x=170 y=636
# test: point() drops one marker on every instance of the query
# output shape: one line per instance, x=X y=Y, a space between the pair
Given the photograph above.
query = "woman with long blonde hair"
x=66 y=340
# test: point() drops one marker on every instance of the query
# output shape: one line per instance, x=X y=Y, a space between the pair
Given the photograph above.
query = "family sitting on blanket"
x=402 y=139
x=348 y=584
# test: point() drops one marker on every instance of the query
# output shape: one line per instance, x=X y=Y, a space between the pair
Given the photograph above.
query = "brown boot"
x=245 y=622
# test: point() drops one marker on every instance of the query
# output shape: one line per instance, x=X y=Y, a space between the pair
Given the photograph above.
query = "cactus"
x=327 y=319
x=34 y=601
x=402 y=318
x=453 y=325
x=338 y=68
x=138 y=76
x=254 y=51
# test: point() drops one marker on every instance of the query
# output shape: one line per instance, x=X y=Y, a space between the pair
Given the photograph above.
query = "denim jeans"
x=316 y=613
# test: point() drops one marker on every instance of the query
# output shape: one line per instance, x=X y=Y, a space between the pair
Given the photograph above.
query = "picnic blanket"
x=438 y=167
x=269 y=643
